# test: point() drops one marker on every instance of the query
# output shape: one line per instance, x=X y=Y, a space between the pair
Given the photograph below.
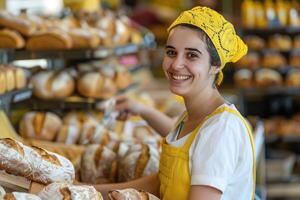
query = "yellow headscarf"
x=228 y=44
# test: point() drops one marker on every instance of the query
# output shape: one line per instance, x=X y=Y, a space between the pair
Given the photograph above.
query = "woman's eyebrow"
x=193 y=49
x=169 y=47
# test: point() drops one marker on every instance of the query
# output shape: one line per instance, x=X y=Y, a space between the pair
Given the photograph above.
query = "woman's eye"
x=192 y=55
x=170 y=53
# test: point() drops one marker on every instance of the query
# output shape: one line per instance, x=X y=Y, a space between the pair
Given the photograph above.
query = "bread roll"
x=293 y=78
x=83 y=39
x=9 y=78
x=122 y=79
x=20 y=77
x=131 y=194
x=94 y=84
x=254 y=42
x=11 y=39
x=122 y=34
x=295 y=59
x=34 y=163
x=64 y=191
x=251 y=60
x=68 y=134
x=95 y=134
x=50 y=84
x=146 y=134
x=98 y=165
x=20 y=196
x=141 y=160
x=40 y=125
x=52 y=40
x=273 y=60
x=25 y=27
x=243 y=78
x=267 y=77
x=2 y=81
x=280 y=42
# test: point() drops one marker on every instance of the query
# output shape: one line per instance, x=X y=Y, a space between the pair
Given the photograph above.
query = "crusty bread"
x=84 y=39
x=94 y=84
x=98 y=165
x=68 y=134
x=9 y=77
x=24 y=26
x=2 y=81
x=122 y=79
x=34 y=163
x=131 y=194
x=11 y=39
x=20 y=196
x=20 y=77
x=52 y=40
x=140 y=160
x=95 y=134
x=40 y=125
x=64 y=191
x=50 y=84
x=267 y=77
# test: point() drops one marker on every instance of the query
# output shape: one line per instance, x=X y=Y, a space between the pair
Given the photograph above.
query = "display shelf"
x=273 y=90
x=7 y=55
x=13 y=97
x=272 y=30
x=138 y=67
x=72 y=102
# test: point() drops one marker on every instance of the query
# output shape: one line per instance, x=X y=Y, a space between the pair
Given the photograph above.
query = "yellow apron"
x=174 y=170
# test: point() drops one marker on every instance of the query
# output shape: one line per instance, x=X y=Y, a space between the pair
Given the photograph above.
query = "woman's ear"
x=214 y=70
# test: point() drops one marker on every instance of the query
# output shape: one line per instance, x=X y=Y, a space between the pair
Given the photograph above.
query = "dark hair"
x=213 y=54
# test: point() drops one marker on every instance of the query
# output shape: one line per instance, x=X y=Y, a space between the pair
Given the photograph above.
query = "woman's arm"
x=149 y=184
x=201 y=192
x=156 y=119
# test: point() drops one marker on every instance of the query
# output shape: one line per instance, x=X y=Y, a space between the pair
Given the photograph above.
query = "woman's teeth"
x=180 y=77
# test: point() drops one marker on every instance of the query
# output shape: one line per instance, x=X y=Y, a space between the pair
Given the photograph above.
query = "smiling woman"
x=209 y=152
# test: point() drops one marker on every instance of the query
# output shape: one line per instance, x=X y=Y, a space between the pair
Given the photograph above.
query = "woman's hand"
x=127 y=107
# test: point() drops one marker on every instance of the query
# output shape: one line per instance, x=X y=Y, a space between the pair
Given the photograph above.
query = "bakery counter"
x=7 y=55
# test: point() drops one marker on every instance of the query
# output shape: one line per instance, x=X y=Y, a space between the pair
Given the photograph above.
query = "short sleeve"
x=216 y=150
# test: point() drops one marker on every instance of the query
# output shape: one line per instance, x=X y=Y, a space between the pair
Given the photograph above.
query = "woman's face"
x=187 y=63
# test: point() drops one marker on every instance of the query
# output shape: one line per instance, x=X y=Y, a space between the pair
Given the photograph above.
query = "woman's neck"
x=201 y=105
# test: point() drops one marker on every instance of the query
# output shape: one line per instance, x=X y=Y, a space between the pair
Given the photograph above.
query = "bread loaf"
x=11 y=39
x=68 y=134
x=122 y=79
x=83 y=39
x=95 y=134
x=122 y=34
x=2 y=81
x=273 y=60
x=34 y=163
x=20 y=77
x=53 y=40
x=131 y=194
x=49 y=84
x=64 y=191
x=9 y=77
x=255 y=42
x=98 y=165
x=243 y=78
x=20 y=196
x=94 y=84
x=25 y=27
x=40 y=125
x=267 y=77
x=141 y=160
x=293 y=78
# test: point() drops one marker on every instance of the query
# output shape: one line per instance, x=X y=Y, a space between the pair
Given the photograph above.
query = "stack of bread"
x=42 y=33
x=11 y=78
x=282 y=126
x=93 y=83
x=83 y=128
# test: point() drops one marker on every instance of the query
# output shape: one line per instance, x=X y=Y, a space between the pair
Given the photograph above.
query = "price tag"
x=102 y=53
x=22 y=96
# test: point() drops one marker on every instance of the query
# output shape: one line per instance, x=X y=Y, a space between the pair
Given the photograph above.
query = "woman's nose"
x=178 y=63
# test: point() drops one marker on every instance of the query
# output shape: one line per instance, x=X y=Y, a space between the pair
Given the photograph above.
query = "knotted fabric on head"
x=228 y=44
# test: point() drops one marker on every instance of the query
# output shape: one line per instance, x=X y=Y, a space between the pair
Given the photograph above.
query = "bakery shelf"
x=272 y=90
x=138 y=67
x=13 y=97
x=72 y=102
x=272 y=30
x=7 y=55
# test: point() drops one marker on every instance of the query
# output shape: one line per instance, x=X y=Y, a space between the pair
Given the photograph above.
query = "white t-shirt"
x=221 y=156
